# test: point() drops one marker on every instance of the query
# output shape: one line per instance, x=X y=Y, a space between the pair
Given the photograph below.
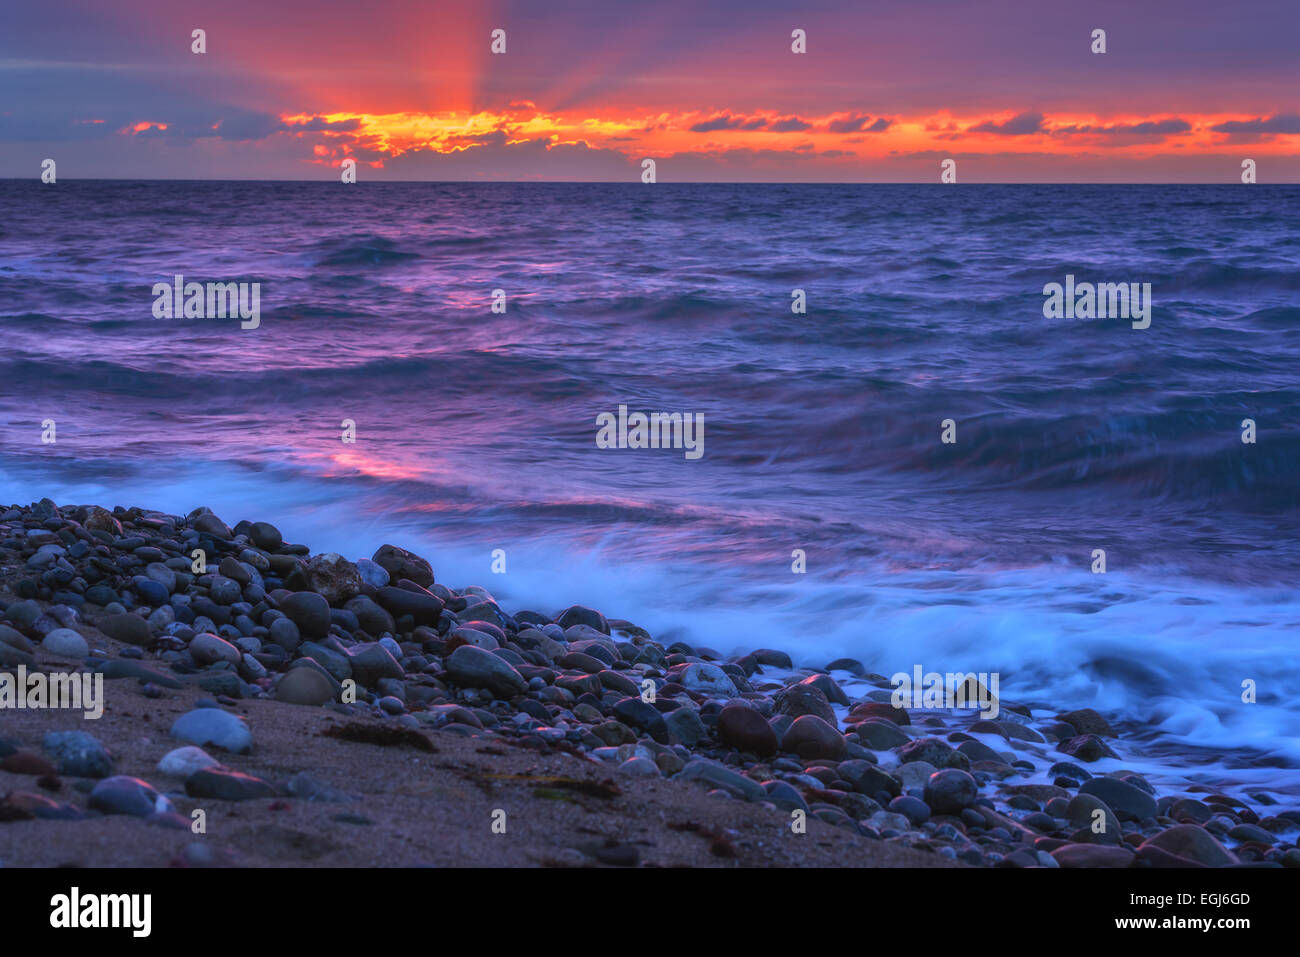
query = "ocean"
x=822 y=431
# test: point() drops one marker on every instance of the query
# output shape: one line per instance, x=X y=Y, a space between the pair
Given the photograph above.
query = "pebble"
x=810 y=737
x=215 y=727
x=399 y=563
x=708 y=680
x=640 y=767
x=222 y=784
x=1130 y=803
x=684 y=725
x=305 y=686
x=24 y=762
x=799 y=700
x=724 y=778
x=949 y=791
x=1086 y=747
x=741 y=727
x=1194 y=843
x=208 y=649
x=65 y=643
x=371 y=662
x=127 y=668
x=372 y=573
x=309 y=611
x=78 y=754
x=645 y=717
x=128 y=628
x=128 y=795
x=477 y=668
x=285 y=633
x=150 y=592
x=916 y=811
x=182 y=762
x=1092 y=855
x=266 y=536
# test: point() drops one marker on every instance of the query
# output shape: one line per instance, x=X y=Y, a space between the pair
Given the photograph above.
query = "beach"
x=311 y=709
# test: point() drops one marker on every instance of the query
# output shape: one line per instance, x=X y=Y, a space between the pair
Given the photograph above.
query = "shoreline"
x=306 y=693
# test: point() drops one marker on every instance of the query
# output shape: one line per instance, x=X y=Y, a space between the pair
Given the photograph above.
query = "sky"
x=712 y=90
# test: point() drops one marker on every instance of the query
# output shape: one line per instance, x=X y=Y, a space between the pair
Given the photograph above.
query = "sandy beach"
x=264 y=706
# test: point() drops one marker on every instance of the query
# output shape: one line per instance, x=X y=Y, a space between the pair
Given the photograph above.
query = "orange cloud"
x=840 y=139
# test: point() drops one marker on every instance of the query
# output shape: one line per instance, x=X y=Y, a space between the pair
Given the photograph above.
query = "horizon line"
x=615 y=182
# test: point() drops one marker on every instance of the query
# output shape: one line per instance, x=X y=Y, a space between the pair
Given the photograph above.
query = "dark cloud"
x=1280 y=123
x=726 y=121
x=1022 y=124
x=788 y=124
x=318 y=124
x=1145 y=128
x=859 y=124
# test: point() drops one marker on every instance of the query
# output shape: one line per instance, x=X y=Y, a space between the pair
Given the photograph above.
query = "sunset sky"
x=710 y=90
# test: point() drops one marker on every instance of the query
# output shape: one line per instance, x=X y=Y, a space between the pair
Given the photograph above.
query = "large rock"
x=1086 y=747
x=330 y=575
x=399 y=563
x=1090 y=812
x=309 y=611
x=131 y=629
x=1130 y=803
x=306 y=686
x=881 y=734
x=743 y=728
x=265 y=536
x=483 y=611
x=285 y=633
x=372 y=661
x=207 y=649
x=332 y=661
x=1087 y=721
x=1092 y=855
x=209 y=524
x=683 y=723
x=709 y=680
x=1194 y=843
x=827 y=686
x=482 y=639
x=423 y=607
x=810 y=737
x=771 y=658
x=879 y=709
x=933 y=751
x=643 y=716
x=371 y=573
x=950 y=791
x=101 y=520
x=872 y=780
x=798 y=700
x=371 y=616
x=477 y=668
x=582 y=615
x=617 y=681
